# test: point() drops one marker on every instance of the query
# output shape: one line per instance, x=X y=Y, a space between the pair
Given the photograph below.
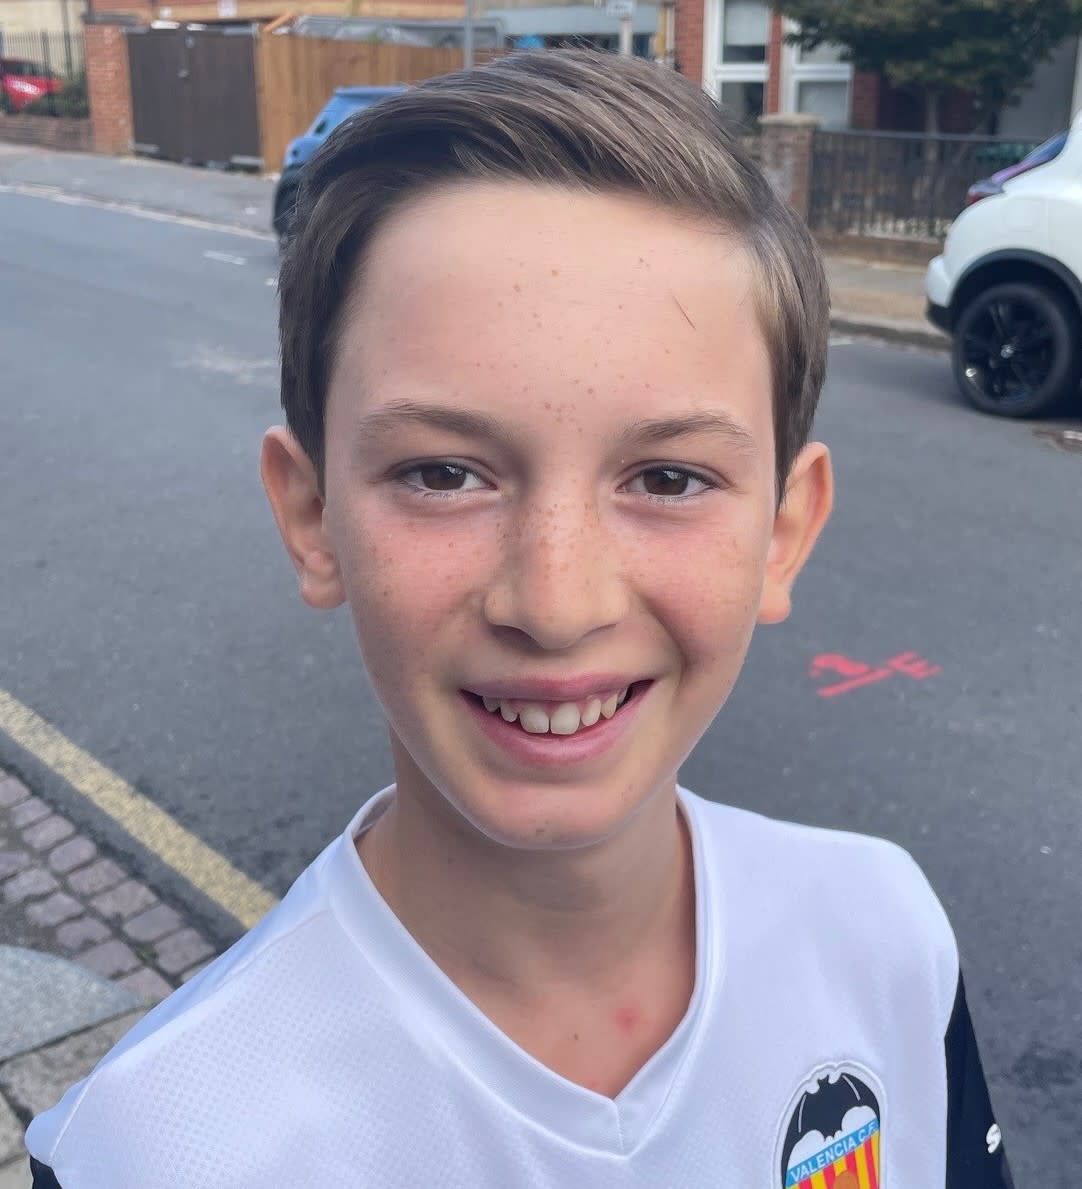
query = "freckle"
x=548 y=404
x=518 y=287
x=576 y=1036
x=555 y=272
x=626 y=1018
x=589 y=392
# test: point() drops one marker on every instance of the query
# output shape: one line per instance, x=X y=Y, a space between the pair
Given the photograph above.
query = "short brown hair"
x=575 y=118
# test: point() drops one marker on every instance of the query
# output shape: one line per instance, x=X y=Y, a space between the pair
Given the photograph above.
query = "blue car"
x=342 y=104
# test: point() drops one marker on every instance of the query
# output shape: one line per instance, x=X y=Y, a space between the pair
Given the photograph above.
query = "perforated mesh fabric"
x=326 y=1050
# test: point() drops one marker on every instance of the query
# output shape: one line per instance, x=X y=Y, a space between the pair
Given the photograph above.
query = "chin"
x=553 y=817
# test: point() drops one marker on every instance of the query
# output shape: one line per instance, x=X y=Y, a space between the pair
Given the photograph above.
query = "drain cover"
x=1065 y=439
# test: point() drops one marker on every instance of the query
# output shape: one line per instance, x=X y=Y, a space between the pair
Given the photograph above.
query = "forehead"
x=525 y=297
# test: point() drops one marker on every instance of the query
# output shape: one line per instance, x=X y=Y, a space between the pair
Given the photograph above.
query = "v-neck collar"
x=480 y=1050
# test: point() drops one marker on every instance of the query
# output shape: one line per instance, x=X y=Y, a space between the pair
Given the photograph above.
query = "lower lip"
x=556 y=751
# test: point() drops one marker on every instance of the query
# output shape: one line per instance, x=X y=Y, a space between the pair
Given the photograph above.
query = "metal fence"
x=45 y=69
x=899 y=184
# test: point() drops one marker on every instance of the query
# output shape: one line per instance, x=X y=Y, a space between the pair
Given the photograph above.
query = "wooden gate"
x=193 y=92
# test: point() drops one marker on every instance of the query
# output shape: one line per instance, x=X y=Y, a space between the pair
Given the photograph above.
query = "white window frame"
x=715 y=72
x=794 y=72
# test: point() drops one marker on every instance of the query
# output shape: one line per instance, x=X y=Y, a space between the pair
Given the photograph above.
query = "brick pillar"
x=689 y=37
x=866 y=85
x=786 y=153
x=108 y=85
x=775 y=42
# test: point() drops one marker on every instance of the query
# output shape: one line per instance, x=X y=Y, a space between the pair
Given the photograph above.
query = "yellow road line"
x=203 y=867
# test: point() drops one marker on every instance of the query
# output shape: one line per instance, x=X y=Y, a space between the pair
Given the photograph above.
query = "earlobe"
x=809 y=497
x=292 y=487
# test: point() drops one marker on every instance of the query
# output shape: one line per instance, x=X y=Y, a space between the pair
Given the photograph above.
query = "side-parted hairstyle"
x=587 y=121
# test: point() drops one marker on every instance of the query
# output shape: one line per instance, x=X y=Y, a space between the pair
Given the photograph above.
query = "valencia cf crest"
x=831 y=1133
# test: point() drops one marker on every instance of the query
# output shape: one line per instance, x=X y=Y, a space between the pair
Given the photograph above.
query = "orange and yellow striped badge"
x=859 y=1169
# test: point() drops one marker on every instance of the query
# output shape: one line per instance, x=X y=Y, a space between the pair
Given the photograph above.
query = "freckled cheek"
x=410 y=576
x=707 y=593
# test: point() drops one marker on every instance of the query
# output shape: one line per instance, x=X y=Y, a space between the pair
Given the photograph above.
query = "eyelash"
x=416 y=490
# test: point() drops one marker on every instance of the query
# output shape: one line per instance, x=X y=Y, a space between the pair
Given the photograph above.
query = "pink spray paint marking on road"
x=856 y=674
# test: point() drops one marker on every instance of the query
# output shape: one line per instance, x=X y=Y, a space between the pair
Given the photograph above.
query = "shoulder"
x=805 y=850
x=191 y=1056
x=830 y=888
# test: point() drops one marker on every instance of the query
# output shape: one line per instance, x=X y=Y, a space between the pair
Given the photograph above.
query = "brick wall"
x=689 y=38
x=108 y=86
x=51 y=132
x=866 y=88
x=785 y=157
x=775 y=43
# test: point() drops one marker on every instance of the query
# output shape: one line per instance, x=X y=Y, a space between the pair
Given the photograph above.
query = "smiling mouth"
x=559 y=718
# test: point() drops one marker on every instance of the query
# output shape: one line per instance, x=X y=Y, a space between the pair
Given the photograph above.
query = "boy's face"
x=549 y=478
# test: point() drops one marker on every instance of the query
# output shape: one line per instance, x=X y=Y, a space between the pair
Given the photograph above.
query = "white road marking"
x=225 y=257
x=54 y=194
x=840 y=340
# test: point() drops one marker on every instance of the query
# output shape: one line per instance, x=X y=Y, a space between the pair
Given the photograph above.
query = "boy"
x=550 y=354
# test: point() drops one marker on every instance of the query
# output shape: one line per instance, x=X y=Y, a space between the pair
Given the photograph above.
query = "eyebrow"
x=469 y=423
x=464 y=422
x=661 y=429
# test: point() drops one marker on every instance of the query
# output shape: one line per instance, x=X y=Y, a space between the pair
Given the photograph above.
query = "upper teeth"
x=564 y=720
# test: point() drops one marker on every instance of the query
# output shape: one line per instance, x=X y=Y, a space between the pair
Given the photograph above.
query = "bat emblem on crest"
x=833 y=1134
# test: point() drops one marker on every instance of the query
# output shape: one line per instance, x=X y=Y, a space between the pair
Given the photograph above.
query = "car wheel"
x=285 y=204
x=1016 y=350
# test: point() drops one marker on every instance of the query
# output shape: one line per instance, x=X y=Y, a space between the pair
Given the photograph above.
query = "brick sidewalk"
x=59 y=895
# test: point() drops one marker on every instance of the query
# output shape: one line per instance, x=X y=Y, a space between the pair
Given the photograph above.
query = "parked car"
x=342 y=104
x=1041 y=155
x=23 y=81
x=1008 y=290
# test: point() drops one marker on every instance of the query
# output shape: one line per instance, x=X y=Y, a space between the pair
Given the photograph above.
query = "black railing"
x=43 y=74
x=899 y=184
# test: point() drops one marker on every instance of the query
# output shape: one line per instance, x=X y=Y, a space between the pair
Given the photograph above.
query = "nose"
x=559 y=578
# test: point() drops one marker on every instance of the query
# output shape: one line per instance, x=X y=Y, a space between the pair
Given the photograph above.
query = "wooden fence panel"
x=193 y=94
x=298 y=74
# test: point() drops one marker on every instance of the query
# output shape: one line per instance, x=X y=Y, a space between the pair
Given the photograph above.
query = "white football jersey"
x=827 y=1043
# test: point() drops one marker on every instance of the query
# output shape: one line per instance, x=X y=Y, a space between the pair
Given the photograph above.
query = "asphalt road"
x=148 y=611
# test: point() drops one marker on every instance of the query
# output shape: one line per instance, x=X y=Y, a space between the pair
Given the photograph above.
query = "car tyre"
x=1016 y=350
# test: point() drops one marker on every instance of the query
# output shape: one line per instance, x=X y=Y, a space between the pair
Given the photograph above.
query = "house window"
x=817 y=82
x=744 y=25
x=743 y=101
x=826 y=98
x=736 y=45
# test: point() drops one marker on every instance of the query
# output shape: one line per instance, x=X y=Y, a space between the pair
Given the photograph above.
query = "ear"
x=809 y=497
x=293 y=490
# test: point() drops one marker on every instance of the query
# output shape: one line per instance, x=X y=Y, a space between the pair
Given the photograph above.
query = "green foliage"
x=988 y=47
x=71 y=100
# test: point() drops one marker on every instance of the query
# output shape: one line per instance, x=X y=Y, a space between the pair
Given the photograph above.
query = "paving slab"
x=37 y=1081
x=55 y=997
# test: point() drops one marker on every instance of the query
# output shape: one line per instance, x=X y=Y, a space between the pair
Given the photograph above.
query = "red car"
x=23 y=81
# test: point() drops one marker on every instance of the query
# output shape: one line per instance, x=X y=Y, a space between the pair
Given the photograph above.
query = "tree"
x=990 y=48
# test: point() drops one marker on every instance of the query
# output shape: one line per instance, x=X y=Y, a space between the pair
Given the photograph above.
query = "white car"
x=1008 y=290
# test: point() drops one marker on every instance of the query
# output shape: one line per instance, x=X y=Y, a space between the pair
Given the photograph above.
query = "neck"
x=515 y=921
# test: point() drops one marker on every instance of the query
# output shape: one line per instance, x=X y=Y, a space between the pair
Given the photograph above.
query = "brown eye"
x=666 y=481
x=442 y=477
x=669 y=484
